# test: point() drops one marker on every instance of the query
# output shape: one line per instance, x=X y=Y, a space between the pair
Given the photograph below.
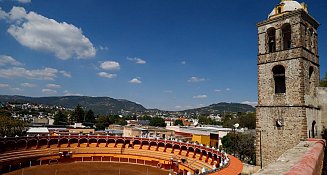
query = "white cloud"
x=16 y=89
x=105 y=48
x=252 y=103
x=49 y=91
x=4 y=85
x=24 y=1
x=200 y=105
x=110 y=65
x=227 y=89
x=136 y=60
x=39 y=74
x=29 y=85
x=3 y=14
x=106 y=75
x=183 y=62
x=17 y=15
x=66 y=74
x=8 y=60
x=217 y=90
x=53 y=86
x=43 y=34
x=135 y=81
x=168 y=91
x=200 y=96
x=67 y=93
x=195 y=79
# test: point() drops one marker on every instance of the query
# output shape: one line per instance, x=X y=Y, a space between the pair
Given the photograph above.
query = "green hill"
x=107 y=105
x=100 y=105
x=221 y=108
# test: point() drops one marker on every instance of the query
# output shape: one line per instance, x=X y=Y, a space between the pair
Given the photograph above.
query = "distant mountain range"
x=221 y=108
x=107 y=105
x=100 y=105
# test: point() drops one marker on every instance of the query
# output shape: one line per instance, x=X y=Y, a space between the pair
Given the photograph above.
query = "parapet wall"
x=305 y=158
x=322 y=99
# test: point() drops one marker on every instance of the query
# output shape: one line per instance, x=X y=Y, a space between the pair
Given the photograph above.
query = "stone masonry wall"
x=275 y=141
x=322 y=100
x=266 y=84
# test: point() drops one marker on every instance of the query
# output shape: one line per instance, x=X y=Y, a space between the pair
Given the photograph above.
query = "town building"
x=205 y=135
x=38 y=131
x=148 y=132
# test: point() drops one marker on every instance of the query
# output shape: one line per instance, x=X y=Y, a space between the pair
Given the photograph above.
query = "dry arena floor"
x=90 y=168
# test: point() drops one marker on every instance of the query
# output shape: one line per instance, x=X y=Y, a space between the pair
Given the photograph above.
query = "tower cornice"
x=301 y=12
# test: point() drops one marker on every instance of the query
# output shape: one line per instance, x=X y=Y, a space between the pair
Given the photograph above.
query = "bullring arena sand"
x=90 y=168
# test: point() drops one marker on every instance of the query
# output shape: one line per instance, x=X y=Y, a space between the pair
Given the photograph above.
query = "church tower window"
x=287 y=36
x=310 y=74
x=271 y=40
x=279 y=78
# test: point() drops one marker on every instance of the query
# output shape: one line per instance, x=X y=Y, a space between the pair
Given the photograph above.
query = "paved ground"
x=90 y=168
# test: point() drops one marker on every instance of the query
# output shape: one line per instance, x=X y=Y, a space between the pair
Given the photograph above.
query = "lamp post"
x=236 y=125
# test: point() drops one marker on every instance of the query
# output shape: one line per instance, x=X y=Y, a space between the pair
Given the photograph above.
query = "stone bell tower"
x=288 y=74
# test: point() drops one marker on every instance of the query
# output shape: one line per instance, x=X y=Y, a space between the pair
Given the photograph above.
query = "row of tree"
x=100 y=122
x=204 y=120
x=245 y=120
x=154 y=121
x=104 y=121
x=9 y=126
x=77 y=116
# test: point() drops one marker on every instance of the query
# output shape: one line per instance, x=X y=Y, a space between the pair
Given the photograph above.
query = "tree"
x=10 y=126
x=102 y=122
x=4 y=112
x=157 y=121
x=248 y=120
x=78 y=114
x=246 y=148
x=240 y=144
x=207 y=121
x=121 y=122
x=229 y=120
x=323 y=82
x=130 y=117
x=178 y=122
x=228 y=144
x=60 y=119
x=145 y=117
x=89 y=118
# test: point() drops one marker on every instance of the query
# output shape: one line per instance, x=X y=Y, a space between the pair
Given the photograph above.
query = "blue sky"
x=164 y=54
